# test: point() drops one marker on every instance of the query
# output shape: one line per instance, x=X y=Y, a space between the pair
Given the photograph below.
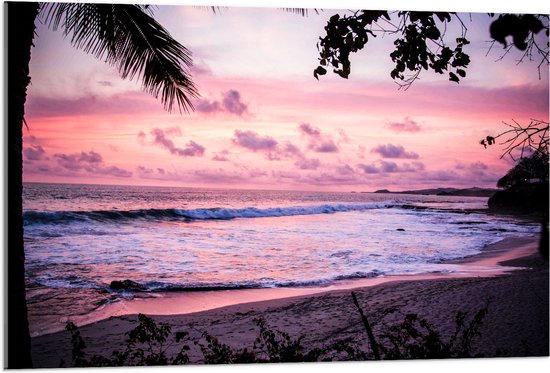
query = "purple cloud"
x=34 y=153
x=224 y=176
x=200 y=68
x=90 y=162
x=407 y=125
x=304 y=163
x=251 y=140
x=394 y=151
x=113 y=171
x=221 y=156
x=325 y=147
x=476 y=166
x=368 y=168
x=309 y=130
x=76 y=161
x=145 y=170
x=345 y=170
x=292 y=150
x=192 y=149
x=231 y=103
x=208 y=107
x=318 y=142
x=388 y=167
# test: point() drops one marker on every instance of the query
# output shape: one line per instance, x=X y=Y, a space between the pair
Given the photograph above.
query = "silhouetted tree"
x=530 y=168
x=125 y=36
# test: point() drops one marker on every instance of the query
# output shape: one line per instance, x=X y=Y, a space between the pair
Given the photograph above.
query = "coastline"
x=484 y=264
x=519 y=307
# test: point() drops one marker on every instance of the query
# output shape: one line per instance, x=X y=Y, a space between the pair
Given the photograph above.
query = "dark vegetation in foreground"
x=413 y=338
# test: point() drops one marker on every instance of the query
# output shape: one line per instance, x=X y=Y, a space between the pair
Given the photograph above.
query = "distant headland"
x=466 y=192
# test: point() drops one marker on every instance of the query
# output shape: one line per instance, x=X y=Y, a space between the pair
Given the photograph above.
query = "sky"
x=264 y=122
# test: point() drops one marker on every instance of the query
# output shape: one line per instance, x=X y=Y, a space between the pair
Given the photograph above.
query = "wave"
x=73 y=282
x=218 y=213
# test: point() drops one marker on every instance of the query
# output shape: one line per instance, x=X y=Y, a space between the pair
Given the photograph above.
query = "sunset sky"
x=263 y=121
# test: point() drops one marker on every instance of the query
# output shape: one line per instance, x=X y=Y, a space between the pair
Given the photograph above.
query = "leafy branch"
x=421 y=42
x=421 y=45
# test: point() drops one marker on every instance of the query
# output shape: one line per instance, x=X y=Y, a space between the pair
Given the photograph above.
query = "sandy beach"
x=516 y=323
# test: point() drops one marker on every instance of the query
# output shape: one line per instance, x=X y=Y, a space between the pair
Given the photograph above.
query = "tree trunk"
x=20 y=33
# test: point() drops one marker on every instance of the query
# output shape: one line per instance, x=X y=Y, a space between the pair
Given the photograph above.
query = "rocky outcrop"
x=127 y=285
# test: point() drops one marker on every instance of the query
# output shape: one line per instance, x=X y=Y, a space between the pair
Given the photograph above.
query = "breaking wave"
x=218 y=213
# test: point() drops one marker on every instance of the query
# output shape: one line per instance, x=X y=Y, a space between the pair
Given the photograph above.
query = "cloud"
x=221 y=175
x=141 y=137
x=344 y=138
x=114 y=171
x=368 y=168
x=208 y=107
x=394 y=151
x=34 y=153
x=318 y=142
x=231 y=103
x=91 y=162
x=308 y=129
x=274 y=151
x=302 y=162
x=388 y=167
x=199 y=67
x=476 y=166
x=407 y=125
x=94 y=105
x=252 y=141
x=105 y=83
x=330 y=178
x=307 y=163
x=345 y=170
x=78 y=161
x=192 y=149
x=292 y=150
x=478 y=172
x=221 y=156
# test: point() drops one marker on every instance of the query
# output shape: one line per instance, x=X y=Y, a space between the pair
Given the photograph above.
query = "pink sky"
x=263 y=121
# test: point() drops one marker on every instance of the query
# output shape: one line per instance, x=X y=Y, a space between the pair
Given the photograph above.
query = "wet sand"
x=516 y=324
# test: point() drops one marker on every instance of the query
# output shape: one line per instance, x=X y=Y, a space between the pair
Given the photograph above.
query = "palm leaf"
x=127 y=37
x=304 y=12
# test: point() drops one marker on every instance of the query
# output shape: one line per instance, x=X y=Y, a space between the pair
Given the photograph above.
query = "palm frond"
x=213 y=9
x=127 y=37
x=304 y=12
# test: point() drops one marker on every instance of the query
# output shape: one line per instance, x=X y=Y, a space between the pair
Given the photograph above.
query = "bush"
x=413 y=338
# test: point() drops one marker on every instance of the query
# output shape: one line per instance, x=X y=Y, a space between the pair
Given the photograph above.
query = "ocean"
x=79 y=238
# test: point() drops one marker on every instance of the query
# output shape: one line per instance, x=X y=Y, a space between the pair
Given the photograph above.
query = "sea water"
x=79 y=238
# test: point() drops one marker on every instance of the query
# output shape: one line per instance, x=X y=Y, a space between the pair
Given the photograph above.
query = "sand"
x=516 y=323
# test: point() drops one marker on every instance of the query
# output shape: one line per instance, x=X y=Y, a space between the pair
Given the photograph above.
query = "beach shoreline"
x=483 y=264
x=319 y=313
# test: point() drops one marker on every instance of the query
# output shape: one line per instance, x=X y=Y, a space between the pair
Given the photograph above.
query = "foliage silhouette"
x=529 y=140
x=413 y=338
x=422 y=43
x=416 y=338
x=533 y=167
x=146 y=344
